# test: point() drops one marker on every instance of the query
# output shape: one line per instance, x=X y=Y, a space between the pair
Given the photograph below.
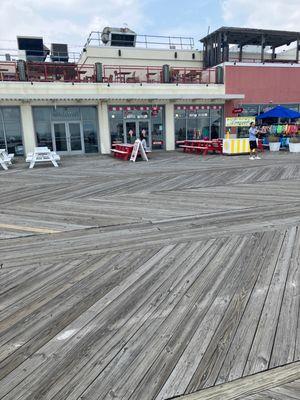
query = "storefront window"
x=116 y=127
x=195 y=122
x=128 y=122
x=42 y=122
x=77 y=121
x=216 y=124
x=251 y=110
x=157 y=129
x=10 y=130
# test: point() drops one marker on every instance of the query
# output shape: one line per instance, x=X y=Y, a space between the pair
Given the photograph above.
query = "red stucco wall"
x=262 y=85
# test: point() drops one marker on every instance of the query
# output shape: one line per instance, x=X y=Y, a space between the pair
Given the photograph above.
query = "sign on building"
x=239 y=121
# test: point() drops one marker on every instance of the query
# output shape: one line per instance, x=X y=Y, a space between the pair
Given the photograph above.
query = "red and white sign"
x=237 y=110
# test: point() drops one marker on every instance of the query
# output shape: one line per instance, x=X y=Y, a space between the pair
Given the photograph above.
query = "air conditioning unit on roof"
x=118 y=37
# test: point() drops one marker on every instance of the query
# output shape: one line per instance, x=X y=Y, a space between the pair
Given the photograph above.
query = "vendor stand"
x=232 y=145
x=283 y=128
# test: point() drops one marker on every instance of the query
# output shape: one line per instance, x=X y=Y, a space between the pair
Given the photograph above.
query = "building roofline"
x=253 y=31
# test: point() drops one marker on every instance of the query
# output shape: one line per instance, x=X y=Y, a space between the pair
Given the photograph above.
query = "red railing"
x=72 y=72
x=50 y=72
x=144 y=74
x=193 y=75
x=131 y=74
x=8 y=71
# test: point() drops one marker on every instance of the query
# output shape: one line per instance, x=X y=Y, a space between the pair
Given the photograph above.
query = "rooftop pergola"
x=216 y=44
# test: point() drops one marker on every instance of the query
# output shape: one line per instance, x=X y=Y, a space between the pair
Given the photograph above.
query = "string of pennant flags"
x=198 y=107
x=134 y=108
x=159 y=108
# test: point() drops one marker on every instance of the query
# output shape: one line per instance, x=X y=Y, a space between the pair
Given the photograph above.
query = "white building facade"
x=110 y=96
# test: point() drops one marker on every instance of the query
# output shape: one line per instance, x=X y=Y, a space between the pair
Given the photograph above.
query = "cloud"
x=67 y=21
x=264 y=14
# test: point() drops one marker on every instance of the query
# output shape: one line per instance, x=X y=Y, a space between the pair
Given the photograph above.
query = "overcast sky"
x=70 y=21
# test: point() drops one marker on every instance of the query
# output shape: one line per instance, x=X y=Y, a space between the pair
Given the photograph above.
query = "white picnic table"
x=5 y=158
x=42 y=154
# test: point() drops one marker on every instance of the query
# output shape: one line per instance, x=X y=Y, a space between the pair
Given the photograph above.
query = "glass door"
x=131 y=131
x=68 y=137
x=144 y=128
x=60 y=137
x=75 y=137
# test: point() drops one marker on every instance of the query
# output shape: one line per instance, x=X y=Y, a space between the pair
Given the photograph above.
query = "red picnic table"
x=122 y=150
x=203 y=146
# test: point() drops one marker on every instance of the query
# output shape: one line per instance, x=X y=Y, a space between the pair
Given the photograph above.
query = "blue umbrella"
x=279 y=112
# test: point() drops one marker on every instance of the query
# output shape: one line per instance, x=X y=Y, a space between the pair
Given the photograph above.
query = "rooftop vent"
x=118 y=37
x=33 y=47
x=59 y=52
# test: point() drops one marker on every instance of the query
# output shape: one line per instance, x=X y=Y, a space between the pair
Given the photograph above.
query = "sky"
x=70 y=21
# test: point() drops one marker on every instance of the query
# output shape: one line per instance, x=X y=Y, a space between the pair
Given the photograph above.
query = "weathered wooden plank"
x=260 y=353
x=106 y=310
x=75 y=326
x=250 y=266
x=186 y=366
x=249 y=385
x=283 y=351
x=237 y=355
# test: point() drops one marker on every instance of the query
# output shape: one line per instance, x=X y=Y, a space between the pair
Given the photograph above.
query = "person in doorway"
x=143 y=141
x=253 y=132
x=131 y=134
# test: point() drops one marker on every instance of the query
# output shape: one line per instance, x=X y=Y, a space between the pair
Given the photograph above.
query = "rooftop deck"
x=151 y=280
x=84 y=73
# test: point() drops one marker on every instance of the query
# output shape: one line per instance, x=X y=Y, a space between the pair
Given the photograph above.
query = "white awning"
x=98 y=97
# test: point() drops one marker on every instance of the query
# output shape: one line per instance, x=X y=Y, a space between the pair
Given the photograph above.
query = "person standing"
x=253 y=132
x=143 y=141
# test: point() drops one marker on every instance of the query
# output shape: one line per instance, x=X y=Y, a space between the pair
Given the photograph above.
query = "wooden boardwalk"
x=177 y=277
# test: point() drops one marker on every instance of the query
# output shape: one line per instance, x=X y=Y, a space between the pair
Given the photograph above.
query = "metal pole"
x=262 y=48
x=241 y=53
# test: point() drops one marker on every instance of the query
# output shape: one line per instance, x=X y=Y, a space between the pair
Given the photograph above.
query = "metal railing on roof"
x=148 y=41
x=12 y=54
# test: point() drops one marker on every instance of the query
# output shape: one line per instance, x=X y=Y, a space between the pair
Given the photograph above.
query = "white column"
x=103 y=122
x=29 y=141
x=170 y=126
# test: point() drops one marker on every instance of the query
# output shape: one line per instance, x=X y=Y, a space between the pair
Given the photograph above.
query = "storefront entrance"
x=127 y=123
x=198 y=122
x=133 y=130
x=68 y=137
x=67 y=130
